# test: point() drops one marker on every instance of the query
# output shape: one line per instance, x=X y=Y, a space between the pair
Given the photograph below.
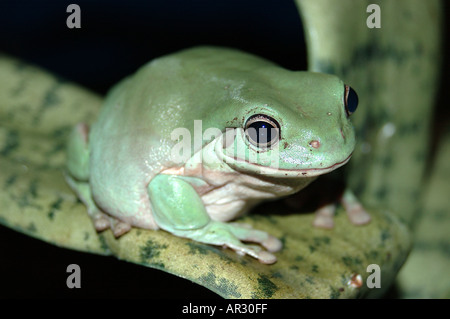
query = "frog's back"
x=142 y=111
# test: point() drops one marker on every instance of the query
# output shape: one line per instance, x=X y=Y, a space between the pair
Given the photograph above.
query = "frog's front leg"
x=178 y=209
x=355 y=212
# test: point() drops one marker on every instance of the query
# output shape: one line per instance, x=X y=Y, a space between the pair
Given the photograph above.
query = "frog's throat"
x=236 y=164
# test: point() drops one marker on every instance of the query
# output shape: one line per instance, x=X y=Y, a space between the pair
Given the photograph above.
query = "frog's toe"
x=355 y=210
x=120 y=228
x=358 y=216
x=272 y=244
x=266 y=258
x=263 y=256
x=324 y=217
x=245 y=232
x=233 y=235
x=101 y=223
x=325 y=222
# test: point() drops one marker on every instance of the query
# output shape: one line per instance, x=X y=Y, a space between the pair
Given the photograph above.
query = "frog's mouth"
x=236 y=163
x=240 y=164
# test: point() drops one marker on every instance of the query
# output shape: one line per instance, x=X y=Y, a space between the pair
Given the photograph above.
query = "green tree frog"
x=259 y=132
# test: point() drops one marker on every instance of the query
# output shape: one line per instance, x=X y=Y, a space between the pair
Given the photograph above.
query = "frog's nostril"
x=314 y=144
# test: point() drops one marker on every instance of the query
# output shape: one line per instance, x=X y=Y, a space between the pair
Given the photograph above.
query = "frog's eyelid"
x=261 y=117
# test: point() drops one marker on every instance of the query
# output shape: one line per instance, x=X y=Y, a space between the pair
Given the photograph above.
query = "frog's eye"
x=262 y=130
x=350 y=100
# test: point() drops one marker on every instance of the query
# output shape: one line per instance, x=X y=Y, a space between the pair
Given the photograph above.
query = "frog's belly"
x=231 y=201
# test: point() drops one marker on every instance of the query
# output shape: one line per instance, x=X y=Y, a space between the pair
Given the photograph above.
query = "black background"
x=115 y=39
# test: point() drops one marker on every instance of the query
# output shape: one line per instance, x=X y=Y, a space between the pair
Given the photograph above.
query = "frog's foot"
x=119 y=228
x=245 y=232
x=232 y=236
x=103 y=222
x=324 y=217
x=355 y=211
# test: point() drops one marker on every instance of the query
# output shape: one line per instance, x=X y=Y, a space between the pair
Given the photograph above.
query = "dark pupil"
x=260 y=132
x=352 y=100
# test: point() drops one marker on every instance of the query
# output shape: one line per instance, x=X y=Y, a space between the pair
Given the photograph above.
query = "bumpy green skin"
x=126 y=163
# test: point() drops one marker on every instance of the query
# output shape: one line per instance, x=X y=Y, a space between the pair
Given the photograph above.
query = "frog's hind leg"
x=77 y=176
x=101 y=220
x=82 y=189
x=78 y=153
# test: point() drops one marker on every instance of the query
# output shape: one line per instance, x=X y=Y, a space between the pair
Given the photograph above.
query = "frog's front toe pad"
x=232 y=235
x=272 y=244
x=263 y=256
x=246 y=233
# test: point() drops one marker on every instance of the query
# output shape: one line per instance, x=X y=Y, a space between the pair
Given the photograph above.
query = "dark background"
x=115 y=39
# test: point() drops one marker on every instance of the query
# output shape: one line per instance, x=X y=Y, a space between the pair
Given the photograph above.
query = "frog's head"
x=295 y=127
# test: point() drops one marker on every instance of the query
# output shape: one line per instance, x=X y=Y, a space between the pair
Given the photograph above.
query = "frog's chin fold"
x=242 y=165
